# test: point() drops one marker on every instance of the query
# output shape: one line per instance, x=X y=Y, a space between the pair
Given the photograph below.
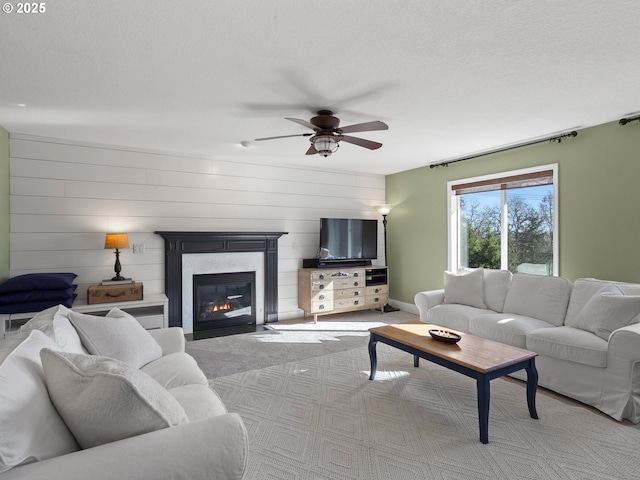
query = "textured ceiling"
x=450 y=78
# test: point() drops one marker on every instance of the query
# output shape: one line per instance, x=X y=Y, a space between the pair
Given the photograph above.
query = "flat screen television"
x=348 y=239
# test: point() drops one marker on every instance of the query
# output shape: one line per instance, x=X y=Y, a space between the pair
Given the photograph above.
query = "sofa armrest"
x=215 y=447
x=624 y=343
x=170 y=339
x=426 y=300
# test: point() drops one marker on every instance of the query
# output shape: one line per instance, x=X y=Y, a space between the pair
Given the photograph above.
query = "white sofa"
x=136 y=407
x=586 y=333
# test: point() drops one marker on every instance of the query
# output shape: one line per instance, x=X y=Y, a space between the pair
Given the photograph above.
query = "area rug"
x=288 y=341
x=322 y=418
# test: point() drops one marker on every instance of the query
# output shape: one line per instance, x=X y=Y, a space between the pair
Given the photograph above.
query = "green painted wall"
x=4 y=204
x=598 y=201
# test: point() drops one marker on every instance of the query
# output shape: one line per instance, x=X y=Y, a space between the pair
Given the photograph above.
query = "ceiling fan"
x=329 y=133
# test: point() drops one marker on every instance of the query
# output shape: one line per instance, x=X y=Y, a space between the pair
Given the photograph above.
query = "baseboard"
x=405 y=307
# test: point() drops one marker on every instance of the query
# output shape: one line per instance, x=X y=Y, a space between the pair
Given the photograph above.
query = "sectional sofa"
x=84 y=397
x=586 y=333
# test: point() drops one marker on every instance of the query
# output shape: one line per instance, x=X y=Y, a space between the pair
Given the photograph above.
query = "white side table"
x=152 y=312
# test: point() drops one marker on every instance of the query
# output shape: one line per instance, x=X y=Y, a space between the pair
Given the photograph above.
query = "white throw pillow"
x=67 y=337
x=30 y=427
x=43 y=320
x=103 y=400
x=122 y=338
x=465 y=289
x=606 y=312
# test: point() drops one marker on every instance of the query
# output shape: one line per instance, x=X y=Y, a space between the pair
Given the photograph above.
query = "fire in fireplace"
x=223 y=300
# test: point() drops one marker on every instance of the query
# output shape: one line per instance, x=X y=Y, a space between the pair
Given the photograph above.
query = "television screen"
x=347 y=239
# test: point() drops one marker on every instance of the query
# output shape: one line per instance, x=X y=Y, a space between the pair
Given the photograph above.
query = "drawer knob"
x=321 y=307
x=321 y=286
x=321 y=277
x=356 y=302
x=356 y=293
x=321 y=297
x=355 y=284
x=355 y=274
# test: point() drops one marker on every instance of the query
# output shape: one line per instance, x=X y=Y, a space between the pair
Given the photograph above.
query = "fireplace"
x=190 y=254
x=223 y=300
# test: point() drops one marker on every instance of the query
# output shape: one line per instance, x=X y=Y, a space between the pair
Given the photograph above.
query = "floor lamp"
x=384 y=211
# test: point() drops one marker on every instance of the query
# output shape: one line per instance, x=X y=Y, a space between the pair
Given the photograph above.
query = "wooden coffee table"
x=472 y=356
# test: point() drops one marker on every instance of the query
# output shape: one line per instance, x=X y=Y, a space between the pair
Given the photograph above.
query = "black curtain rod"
x=557 y=138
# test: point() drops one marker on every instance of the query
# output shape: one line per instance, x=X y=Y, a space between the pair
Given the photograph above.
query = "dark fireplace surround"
x=177 y=244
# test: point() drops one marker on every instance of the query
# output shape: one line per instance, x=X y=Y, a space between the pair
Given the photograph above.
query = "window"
x=506 y=221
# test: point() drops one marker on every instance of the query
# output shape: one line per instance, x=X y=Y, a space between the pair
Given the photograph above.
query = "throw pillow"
x=606 y=312
x=38 y=281
x=103 y=400
x=31 y=428
x=465 y=289
x=122 y=338
x=43 y=321
x=27 y=307
x=29 y=296
x=66 y=336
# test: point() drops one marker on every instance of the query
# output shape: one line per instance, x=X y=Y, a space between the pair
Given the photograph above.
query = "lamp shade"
x=384 y=209
x=116 y=240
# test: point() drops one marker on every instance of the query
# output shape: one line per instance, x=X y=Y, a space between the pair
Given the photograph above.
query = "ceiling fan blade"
x=312 y=150
x=365 y=127
x=361 y=142
x=283 y=136
x=304 y=123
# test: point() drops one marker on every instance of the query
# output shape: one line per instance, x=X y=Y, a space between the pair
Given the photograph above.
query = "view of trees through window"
x=530 y=227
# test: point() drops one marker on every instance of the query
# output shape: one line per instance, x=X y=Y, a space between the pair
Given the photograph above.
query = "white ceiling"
x=450 y=78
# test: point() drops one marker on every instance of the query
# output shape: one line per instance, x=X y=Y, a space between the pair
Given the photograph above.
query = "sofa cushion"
x=568 y=343
x=538 y=296
x=465 y=289
x=505 y=327
x=496 y=285
x=608 y=311
x=453 y=316
x=198 y=401
x=119 y=337
x=30 y=427
x=103 y=400
x=175 y=370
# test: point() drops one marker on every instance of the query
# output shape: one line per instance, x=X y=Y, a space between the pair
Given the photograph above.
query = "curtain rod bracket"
x=560 y=137
x=624 y=121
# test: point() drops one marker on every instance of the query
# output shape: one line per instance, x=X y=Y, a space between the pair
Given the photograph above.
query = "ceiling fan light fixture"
x=325 y=144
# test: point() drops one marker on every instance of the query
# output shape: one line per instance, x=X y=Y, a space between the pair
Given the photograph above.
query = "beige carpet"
x=289 y=340
x=321 y=418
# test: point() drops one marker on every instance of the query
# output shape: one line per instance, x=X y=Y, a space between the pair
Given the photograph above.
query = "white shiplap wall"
x=66 y=195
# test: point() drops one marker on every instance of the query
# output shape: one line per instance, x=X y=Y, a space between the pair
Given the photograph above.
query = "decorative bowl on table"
x=445 y=336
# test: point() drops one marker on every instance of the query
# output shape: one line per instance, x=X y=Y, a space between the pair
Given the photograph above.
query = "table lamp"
x=117 y=241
